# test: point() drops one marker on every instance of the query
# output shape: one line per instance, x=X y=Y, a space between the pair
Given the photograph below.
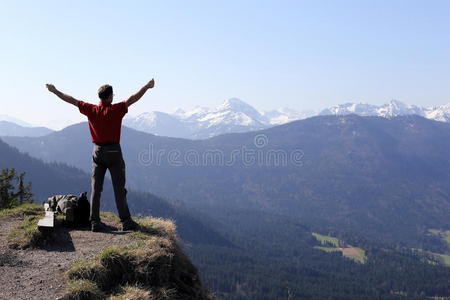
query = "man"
x=105 y=121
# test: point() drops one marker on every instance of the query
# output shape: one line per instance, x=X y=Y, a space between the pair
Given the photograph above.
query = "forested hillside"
x=384 y=178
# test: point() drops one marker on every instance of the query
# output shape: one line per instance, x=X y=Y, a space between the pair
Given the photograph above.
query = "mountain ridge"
x=234 y=115
x=10 y=128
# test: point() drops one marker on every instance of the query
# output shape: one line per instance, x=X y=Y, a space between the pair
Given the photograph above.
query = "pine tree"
x=9 y=197
x=24 y=191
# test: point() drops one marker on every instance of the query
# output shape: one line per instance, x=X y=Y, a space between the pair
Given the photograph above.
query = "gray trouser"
x=108 y=157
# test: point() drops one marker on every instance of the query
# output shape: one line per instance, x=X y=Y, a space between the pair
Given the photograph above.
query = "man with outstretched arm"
x=105 y=121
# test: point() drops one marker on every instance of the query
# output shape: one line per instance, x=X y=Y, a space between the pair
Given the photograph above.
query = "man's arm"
x=67 y=98
x=134 y=98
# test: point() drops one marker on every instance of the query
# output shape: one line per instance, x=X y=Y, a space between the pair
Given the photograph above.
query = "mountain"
x=14 y=120
x=160 y=123
x=12 y=129
x=391 y=109
x=285 y=115
x=438 y=113
x=233 y=115
x=236 y=116
x=383 y=178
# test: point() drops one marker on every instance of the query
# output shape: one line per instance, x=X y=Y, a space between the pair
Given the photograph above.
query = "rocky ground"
x=40 y=273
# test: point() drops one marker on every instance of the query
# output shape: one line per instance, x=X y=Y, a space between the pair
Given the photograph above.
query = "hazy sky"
x=299 y=54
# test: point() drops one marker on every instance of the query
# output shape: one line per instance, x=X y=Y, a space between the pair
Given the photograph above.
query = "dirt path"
x=39 y=273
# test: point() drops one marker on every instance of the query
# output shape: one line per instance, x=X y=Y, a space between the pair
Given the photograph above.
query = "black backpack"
x=76 y=209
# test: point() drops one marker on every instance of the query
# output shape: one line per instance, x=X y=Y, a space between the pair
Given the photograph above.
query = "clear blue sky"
x=299 y=54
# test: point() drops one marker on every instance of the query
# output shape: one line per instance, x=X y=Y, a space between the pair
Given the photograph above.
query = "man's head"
x=105 y=93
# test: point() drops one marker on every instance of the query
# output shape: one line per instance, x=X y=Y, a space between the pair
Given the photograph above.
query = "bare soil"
x=40 y=273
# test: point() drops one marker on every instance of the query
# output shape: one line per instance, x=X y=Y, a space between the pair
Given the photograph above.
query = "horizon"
x=299 y=55
x=309 y=113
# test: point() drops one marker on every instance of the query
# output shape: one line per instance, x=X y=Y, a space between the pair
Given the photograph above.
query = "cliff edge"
x=75 y=263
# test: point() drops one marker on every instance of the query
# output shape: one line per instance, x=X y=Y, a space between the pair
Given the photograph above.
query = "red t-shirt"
x=105 y=120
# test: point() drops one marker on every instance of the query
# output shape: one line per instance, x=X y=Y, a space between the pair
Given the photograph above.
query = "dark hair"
x=105 y=91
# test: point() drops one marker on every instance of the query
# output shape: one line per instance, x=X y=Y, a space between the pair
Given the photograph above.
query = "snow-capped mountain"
x=285 y=115
x=232 y=115
x=391 y=109
x=438 y=113
x=158 y=123
x=235 y=115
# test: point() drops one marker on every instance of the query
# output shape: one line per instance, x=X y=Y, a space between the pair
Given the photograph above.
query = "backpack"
x=76 y=209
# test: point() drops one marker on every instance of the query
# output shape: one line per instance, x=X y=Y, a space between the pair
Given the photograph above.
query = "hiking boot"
x=130 y=225
x=98 y=226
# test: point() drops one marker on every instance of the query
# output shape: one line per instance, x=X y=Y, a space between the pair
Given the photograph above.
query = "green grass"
x=447 y=236
x=356 y=254
x=83 y=289
x=445 y=259
x=438 y=257
x=434 y=231
x=24 y=209
x=328 y=249
x=444 y=235
x=110 y=217
x=26 y=234
x=325 y=239
x=90 y=270
x=132 y=293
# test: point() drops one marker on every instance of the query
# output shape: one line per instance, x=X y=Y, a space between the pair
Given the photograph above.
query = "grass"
x=443 y=234
x=23 y=209
x=356 y=254
x=90 y=270
x=155 y=227
x=325 y=239
x=26 y=234
x=328 y=249
x=445 y=259
x=110 y=217
x=133 y=293
x=83 y=290
x=447 y=236
x=433 y=257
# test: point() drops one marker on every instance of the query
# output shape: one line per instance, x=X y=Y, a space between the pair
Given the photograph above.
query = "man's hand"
x=51 y=88
x=134 y=98
x=150 y=84
x=62 y=96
